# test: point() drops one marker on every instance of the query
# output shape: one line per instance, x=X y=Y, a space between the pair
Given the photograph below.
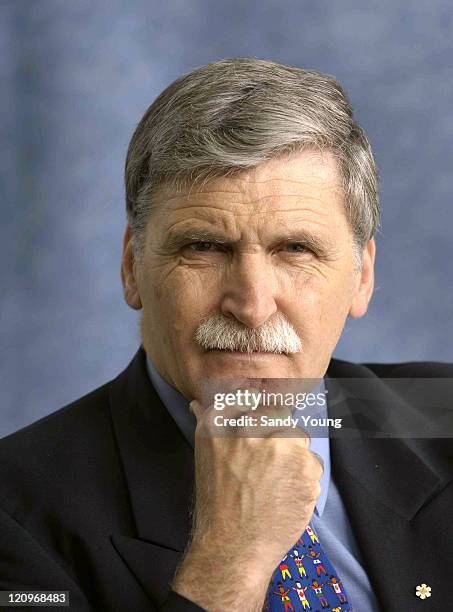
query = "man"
x=252 y=203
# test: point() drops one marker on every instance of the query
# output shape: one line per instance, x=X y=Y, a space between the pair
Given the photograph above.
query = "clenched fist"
x=246 y=517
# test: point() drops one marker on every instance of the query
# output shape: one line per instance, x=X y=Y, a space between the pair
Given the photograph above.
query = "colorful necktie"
x=306 y=580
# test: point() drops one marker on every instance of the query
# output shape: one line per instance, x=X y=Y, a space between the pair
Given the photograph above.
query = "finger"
x=320 y=459
x=197 y=409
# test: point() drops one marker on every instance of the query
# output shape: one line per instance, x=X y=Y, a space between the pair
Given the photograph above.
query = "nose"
x=250 y=290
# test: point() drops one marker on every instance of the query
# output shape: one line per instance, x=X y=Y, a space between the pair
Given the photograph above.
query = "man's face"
x=270 y=243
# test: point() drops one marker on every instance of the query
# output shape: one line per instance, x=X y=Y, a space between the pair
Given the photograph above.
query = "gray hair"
x=234 y=114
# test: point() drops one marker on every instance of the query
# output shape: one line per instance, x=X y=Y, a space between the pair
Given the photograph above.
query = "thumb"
x=196 y=408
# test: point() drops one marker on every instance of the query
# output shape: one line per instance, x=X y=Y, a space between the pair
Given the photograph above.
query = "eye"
x=201 y=245
x=297 y=247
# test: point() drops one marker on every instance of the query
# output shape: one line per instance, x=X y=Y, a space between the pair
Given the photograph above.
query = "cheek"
x=320 y=304
x=179 y=300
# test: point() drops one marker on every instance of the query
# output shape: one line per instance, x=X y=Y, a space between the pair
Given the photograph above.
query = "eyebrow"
x=177 y=238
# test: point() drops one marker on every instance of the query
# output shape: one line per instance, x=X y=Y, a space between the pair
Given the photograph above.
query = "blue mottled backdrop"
x=76 y=76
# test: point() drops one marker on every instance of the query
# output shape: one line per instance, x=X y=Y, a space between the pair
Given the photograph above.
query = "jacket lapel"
x=152 y=565
x=158 y=466
x=385 y=484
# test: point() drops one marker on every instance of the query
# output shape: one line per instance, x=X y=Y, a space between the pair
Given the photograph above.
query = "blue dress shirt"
x=329 y=520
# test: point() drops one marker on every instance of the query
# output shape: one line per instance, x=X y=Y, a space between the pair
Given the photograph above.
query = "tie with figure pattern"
x=306 y=580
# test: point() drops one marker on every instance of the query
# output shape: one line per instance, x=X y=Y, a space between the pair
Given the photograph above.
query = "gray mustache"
x=219 y=332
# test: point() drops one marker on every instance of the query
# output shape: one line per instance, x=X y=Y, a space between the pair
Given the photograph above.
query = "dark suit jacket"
x=96 y=499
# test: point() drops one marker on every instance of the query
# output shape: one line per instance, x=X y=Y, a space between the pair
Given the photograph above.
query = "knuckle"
x=318 y=463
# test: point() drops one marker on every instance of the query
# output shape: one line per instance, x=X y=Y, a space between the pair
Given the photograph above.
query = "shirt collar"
x=178 y=407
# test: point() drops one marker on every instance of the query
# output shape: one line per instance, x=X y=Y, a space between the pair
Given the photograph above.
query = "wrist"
x=218 y=582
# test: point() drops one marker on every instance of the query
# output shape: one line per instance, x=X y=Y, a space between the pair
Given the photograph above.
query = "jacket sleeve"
x=25 y=565
x=177 y=603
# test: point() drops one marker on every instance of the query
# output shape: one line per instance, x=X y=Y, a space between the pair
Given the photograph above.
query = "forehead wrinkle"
x=203 y=213
x=264 y=197
x=191 y=194
x=226 y=215
x=303 y=199
x=205 y=191
x=329 y=183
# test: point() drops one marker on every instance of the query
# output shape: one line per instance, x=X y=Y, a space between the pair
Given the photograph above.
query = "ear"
x=128 y=278
x=365 y=282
